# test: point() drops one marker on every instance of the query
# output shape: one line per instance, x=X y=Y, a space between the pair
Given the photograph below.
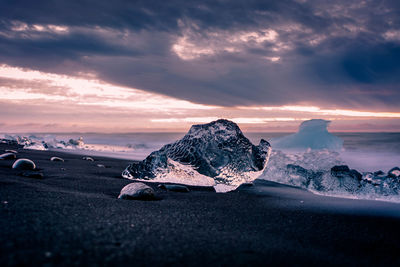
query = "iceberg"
x=312 y=134
x=216 y=153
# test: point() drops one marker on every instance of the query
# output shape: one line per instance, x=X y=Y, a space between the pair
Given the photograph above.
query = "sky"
x=134 y=66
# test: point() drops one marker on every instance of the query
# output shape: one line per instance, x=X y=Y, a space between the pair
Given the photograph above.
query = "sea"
x=362 y=151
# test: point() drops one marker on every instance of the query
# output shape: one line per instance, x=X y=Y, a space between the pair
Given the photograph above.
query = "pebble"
x=174 y=187
x=57 y=159
x=24 y=164
x=6 y=156
x=138 y=191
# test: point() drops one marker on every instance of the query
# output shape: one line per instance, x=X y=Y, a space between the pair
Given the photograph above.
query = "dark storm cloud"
x=332 y=53
x=150 y=13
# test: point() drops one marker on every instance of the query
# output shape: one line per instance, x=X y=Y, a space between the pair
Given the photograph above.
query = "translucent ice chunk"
x=209 y=154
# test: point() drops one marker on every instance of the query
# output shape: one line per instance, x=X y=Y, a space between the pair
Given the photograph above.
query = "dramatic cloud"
x=216 y=57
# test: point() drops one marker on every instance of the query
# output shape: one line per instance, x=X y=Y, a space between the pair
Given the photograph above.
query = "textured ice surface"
x=312 y=134
x=324 y=172
x=209 y=154
x=175 y=172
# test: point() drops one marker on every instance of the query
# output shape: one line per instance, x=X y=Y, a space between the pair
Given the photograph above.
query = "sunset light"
x=102 y=77
x=199 y=133
x=87 y=94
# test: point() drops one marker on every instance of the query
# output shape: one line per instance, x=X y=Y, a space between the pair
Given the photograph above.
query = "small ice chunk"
x=394 y=173
x=223 y=188
x=36 y=146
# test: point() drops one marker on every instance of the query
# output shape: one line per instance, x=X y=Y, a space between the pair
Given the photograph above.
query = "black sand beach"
x=73 y=217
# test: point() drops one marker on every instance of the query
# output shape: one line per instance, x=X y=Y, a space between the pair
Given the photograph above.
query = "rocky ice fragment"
x=36 y=146
x=79 y=142
x=209 y=154
x=8 y=142
x=379 y=173
x=338 y=180
x=340 y=170
x=394 y=172
x=343 y=171
x=302 y=175
x=24 y=164
x=138 y=191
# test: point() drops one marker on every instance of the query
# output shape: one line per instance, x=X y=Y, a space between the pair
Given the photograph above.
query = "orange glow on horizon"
x=89 y=91
x=330 y=112
x=86 y=102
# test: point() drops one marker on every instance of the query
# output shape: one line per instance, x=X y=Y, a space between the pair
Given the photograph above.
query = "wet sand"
x=73 y=217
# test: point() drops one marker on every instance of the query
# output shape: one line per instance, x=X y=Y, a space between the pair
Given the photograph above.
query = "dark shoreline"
x=73 y=217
